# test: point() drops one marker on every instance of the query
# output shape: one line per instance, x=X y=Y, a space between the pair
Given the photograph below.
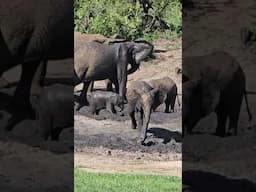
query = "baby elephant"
x=142 y=99
x=169 y=88
x=99 y=100
x=55 y=110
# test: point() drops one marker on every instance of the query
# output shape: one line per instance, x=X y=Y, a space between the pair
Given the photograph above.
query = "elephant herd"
x=35 y=33
x=114 y=61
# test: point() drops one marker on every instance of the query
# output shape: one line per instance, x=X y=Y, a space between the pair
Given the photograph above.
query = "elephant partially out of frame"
x=96 y=61
x=32 y=32
x=213 y=83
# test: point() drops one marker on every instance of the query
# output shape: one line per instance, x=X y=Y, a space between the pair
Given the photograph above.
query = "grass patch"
x=108 y=182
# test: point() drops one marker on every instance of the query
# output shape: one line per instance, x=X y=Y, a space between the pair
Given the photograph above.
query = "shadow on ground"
x=200 y=181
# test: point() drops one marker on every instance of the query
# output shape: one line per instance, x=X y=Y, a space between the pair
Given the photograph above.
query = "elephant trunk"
x=122 y=72
x=141 y=55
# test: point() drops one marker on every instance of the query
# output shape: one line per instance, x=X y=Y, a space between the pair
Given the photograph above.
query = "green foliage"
x=106 y=182
x=126 y=18
x=108 y=17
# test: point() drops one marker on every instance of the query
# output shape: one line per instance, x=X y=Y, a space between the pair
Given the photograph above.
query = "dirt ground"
x=28 y=164
x=107 y=142
x=215 y=25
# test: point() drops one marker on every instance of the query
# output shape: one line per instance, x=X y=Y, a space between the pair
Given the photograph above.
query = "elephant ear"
x=141 y=50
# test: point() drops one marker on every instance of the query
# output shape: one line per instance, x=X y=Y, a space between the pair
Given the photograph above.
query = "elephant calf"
x=142 y=99
x=213 y=83
x=55 y=110
x=104 y=99
x=169 y=88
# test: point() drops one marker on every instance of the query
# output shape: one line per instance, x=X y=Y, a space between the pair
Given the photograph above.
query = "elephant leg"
x=140 y=119
x=143 y=131
x=115 y=82
x=97 y=111
x=111 y=108
x=172 y=102
x=83 y=96
x=233 y=122
x=56 y=133
x=109 y=85
x=222 y=115
x=21 y=107
x=132 y=116
x=91 y=86
x=92 y=108
x=169 y=101
x=167 y=106
x=234 y=111
x=44 y=126
x=131 y=113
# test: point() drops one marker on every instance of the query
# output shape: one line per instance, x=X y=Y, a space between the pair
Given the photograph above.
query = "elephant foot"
x=141 y=141
x=80 y=106
x=134 y=127
x=12 y=122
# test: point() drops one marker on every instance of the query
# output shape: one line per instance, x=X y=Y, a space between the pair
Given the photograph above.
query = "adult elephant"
x=96 y=61
x=213 y=83
x=31 y=33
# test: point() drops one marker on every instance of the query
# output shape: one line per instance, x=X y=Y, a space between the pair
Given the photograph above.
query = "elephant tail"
x=247 y=106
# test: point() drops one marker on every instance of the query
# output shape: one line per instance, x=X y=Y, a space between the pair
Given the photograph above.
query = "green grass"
x=107 y=182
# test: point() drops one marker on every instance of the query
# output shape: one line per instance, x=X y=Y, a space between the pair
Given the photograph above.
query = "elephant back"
x=137 y=88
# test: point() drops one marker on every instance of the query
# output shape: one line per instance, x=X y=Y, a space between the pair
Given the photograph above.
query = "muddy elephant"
x=96 y=61
x=213 y=83
x=31 y=32
x=54 y=110
x=142 y=99
x=104 y=100
x=169 y=88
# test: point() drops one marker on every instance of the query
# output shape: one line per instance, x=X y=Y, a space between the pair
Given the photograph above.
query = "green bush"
x=108 y=17
x=126 y=17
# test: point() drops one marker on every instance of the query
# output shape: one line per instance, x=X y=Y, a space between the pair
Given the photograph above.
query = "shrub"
x=127 y=17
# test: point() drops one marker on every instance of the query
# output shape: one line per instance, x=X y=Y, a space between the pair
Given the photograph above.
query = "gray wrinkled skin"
x=55 y=110
x=104 y=100
x=169 y=90
x=142 y=99
x=213 y=83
